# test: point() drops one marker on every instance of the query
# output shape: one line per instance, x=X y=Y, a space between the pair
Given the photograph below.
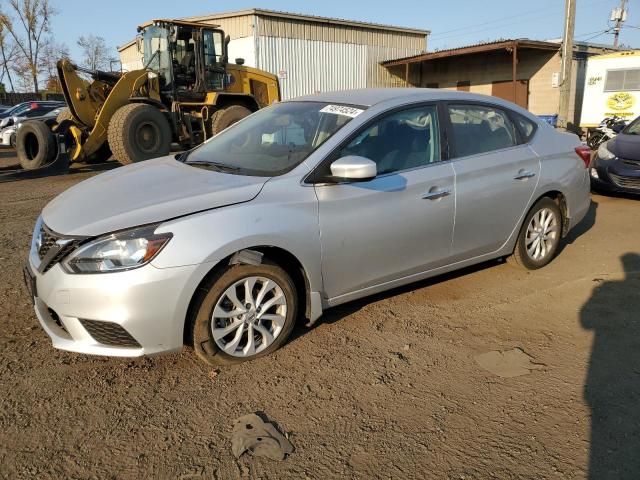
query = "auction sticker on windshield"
x=342 y=110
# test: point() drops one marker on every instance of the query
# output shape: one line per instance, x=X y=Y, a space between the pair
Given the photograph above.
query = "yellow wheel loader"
x=186 y=92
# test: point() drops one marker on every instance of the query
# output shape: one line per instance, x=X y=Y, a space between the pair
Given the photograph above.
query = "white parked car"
x=8 y=134
x=299 y=207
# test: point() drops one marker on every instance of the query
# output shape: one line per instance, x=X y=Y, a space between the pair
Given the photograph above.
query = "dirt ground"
x=382 y=388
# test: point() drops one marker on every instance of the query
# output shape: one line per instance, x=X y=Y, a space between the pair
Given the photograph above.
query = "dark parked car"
x=28 y=109
x=616 y=165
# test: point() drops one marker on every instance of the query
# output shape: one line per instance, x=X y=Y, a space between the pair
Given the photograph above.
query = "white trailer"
x=612 y=87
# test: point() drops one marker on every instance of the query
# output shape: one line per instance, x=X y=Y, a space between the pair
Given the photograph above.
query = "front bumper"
x=126 y=314
x=615 y=176
x=5 y=138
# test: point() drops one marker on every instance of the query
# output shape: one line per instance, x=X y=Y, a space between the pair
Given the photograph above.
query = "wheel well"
x=287 y=261
x=561 y=200
x=248 y=101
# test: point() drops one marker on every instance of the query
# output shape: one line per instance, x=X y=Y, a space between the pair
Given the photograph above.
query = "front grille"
x=625 y=182
x=109 y=333
x=50 y=240
x=632 y=163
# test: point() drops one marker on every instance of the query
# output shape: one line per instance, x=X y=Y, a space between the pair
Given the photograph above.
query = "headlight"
x=604 y=153
x=117 y=252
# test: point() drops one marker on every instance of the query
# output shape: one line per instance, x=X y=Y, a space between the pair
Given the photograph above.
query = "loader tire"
x=35 y=145
x=137 y=132
x=228 y=116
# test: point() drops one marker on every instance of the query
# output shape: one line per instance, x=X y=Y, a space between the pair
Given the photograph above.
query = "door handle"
x=435 y=194
x=524 y=174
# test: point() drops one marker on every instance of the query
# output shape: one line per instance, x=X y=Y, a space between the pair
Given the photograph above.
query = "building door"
x=463 y=86
x=504 y=90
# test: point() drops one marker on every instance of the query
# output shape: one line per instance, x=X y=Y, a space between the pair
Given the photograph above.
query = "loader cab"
x=189 y=59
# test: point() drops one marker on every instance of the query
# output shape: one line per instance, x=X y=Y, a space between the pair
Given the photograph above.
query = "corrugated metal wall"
x=331 y=32
x=235 y=27
x=313 y=66
x=379 y=76
x=131 y=58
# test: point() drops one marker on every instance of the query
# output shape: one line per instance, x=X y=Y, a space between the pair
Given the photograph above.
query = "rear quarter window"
x=526 y=127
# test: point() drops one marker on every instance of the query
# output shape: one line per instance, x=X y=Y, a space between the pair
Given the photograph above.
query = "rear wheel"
x=228 y=116
x=247 y=311
x=139 y=132
x=539 y=237
x=35 y=145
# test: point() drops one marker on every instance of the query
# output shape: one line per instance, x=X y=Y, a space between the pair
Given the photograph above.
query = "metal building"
x=308 y=53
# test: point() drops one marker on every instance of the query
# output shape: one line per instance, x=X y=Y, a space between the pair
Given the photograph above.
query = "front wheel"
x=539 y=237
x=137 y=132
x=248 y=311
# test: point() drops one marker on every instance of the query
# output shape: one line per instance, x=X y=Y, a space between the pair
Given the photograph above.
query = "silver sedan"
x=299 y=207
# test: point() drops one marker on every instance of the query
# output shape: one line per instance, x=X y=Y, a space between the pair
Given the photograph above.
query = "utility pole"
x=567 y=62
x=618 y=15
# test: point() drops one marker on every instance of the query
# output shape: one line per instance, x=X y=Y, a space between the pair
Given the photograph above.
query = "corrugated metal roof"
x=309 y=18
x=474 y=48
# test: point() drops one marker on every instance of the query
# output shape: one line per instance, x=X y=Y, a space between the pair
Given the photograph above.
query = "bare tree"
x=51 y=53
x=8 y=52
x=95 y=53
x=28 y=32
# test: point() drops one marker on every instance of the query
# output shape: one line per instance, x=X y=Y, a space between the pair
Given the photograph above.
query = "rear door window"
x=480 y=129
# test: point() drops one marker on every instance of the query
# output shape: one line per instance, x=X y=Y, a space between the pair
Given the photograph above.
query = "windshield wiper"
x=221 y=167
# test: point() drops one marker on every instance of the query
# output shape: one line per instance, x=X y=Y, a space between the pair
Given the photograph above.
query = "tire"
x=535 y=257
x=137 y=132
x=228 y=116
x=65 y=114
x=35 y=145
x=213 y=298
x=594 y=141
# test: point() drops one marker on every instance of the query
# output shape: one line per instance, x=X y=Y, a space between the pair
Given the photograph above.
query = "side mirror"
x=354 y=168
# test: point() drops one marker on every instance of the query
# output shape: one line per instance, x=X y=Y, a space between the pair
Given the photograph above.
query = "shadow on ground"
x=612 y=388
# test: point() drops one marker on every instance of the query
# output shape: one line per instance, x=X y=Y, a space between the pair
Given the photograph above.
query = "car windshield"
x=275 y=139
x=21 y=107
x=633 y=128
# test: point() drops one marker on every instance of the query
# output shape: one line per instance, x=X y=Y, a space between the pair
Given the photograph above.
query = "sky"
x=452 y=23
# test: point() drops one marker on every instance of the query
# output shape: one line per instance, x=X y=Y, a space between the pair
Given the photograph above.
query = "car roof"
x=369 y=97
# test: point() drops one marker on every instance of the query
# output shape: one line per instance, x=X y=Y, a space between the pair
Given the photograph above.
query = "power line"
x=497 y=20
x=447 y=33
x=597 y=35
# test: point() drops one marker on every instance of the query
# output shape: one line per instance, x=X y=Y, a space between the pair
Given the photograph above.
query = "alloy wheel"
x=542 y=234
x=249 y=316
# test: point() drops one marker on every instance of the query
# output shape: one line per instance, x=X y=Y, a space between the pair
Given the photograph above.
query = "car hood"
x=625 y=146
x=143 y=193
